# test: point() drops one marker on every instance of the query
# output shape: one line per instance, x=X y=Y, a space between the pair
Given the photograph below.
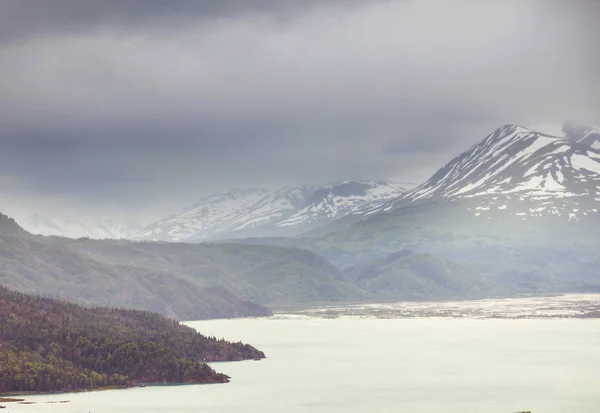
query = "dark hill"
x=51 y=345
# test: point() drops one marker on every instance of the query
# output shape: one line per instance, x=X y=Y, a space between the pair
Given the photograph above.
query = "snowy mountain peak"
x=209 y=216
x=516 y=163
x=338 y=200
x=481 y=162
x=260 y=212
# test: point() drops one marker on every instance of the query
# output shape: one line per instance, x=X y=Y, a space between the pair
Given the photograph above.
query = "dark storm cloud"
x=26 y=18
x=154 y=102
x=417 y=137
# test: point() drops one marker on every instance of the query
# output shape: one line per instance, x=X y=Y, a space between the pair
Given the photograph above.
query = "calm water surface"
x=382 y=365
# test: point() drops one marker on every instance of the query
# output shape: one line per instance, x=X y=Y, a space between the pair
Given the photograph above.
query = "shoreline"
x=460 y=298
x=278 y=310
x=15 y=397
x=555 y=306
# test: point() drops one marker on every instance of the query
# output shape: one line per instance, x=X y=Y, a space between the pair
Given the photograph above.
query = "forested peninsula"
x=49 y=345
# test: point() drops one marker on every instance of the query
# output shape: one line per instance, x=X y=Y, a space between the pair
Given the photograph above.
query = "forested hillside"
x=52 y=345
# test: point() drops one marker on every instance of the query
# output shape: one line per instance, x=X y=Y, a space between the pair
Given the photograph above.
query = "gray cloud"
x=150 y=104
x=26 y=18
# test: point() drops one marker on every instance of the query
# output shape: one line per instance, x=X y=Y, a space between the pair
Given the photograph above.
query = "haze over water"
x=349 y=364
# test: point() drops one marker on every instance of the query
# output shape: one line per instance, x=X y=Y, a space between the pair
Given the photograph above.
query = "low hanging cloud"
x=153 y=103
x=29 y=18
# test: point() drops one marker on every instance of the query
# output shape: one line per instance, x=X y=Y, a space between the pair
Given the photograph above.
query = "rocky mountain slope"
x=259 y=212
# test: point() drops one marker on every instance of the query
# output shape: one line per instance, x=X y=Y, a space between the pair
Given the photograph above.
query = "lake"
x=367 y=364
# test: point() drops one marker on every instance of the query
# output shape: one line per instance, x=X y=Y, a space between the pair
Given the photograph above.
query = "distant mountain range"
x=71 y=228
x=183 y=281
x=259 y=212
x=518 y=212
x=514 y=170
x=520 y=208
x=196 y=281
x=235 y=213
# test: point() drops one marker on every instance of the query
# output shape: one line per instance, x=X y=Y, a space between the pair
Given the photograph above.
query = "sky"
x=132 y=109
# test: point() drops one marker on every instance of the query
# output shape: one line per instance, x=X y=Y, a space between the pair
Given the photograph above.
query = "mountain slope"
x=330 y=203
x=519 y=171
x=206 y=219
x=183 y=281
x=35 y=266
x=583 y=134
x=108 y=229
x=9 y=227
x=519 y=208
x=259 y=212
x=271 y=276
x=408 y=276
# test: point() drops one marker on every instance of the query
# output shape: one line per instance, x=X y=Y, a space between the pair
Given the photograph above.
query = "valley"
x=510 y=215
x=330 y=206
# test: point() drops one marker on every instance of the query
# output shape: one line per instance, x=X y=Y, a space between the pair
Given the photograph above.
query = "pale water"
x=381 y=365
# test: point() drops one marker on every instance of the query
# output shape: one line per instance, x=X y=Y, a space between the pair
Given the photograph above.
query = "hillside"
x=48 y=266
x=409 y=276
x=182 y=281
x=196 y=281
x=51 y=345
x=269 y=275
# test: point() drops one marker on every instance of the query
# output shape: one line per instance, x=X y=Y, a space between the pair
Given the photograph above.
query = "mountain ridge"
x=517 y=207
x=178 y=280
x=584 y=134
x=288 y=211
x=515 y=163
x=71 y=228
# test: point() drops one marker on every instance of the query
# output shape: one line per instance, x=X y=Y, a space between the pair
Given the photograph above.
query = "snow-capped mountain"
x=520 y=208
x=226 y=212
x=259 y=212
x=519 y=171
x=108 y=229
x=336 y=201
x=583 y=134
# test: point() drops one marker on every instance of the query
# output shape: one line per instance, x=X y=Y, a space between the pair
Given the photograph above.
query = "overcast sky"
x=134 y=108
